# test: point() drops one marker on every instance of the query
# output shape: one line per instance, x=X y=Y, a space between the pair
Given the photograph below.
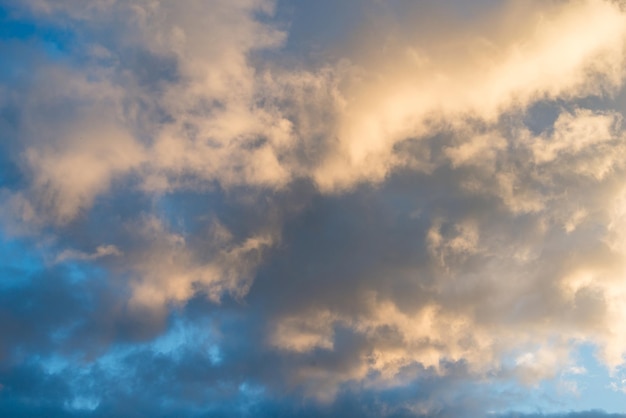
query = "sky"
x=294 y=208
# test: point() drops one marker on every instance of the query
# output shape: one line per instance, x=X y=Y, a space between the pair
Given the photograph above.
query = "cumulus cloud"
x=370 y=230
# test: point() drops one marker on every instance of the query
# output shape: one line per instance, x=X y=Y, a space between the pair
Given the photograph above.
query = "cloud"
x=408 y=90
x=215 y=130
x=101 y=251
x=365 y=232
x=168 y=270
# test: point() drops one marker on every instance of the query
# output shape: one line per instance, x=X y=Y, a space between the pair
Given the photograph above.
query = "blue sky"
x=300 y=209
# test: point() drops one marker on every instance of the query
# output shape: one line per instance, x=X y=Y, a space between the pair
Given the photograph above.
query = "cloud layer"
x=212 y=205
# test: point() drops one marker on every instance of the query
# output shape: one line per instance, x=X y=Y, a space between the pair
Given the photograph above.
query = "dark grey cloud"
x=160 y=386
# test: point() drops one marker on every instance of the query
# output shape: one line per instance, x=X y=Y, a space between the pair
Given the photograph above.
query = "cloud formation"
x=415 y=219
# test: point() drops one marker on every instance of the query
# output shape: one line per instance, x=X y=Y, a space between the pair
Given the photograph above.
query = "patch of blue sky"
x=586 y=385
x=12 y=28
x=80 y=271
x=10 y=175
x=174 y=340
x=180 y=337
x=19 y=262
x=83 y=398
x=54 y=38
x=600 y=387
x=184 y=335
x=112 y=362
x=54 y=364
x=25 y=41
